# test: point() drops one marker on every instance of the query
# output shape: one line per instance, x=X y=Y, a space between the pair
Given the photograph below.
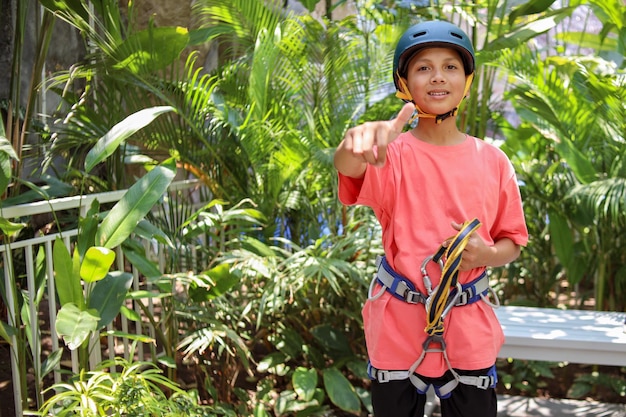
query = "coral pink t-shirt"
x=417 y=194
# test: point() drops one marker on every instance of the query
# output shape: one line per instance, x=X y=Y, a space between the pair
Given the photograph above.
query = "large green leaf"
x=151 y=49
x=578 y=161
x=331 y=339
x=599 y=203
x=611 y=13
x=136 y=255
x=67 y=282
x=130 y=336
x=149 y=231
x=340 y=391
x=304 y=383
x=52 y=188
x=310 y=4
x=51 y=362
x=96 y=263
x=257 y=247
x=75 y=325
x=88 y=226
x=561 y=238
x=9 y=228
x=220 y=281
x=589 y=40
x=6 y=154
x=108 y=143
x=524 y=33
x=7 y=332
x=581 y=264
x=108 y=295
x=136 y=203
x=5 y=172
x=528 y=8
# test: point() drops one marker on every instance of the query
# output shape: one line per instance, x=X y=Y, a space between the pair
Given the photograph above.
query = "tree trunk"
x=7 y=30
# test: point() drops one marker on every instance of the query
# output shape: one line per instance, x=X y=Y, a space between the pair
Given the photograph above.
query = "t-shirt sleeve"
x=349 y=189
x=511 y=222
x=367 y=191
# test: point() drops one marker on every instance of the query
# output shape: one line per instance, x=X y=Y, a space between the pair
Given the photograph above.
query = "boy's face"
x=436 y=79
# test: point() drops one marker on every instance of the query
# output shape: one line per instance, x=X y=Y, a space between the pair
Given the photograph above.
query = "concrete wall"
x=66 y=46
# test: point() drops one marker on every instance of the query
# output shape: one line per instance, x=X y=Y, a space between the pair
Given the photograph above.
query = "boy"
x=425 y=185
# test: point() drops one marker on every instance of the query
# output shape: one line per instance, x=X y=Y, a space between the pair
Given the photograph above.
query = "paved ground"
x=513 y=406
x=510 y=406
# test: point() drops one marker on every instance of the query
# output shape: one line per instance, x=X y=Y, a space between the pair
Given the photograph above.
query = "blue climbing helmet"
x=431 y=34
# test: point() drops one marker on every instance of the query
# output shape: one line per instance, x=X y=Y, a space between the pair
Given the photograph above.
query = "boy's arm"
x=367 y=144
x=501 y=253
x=478 y=254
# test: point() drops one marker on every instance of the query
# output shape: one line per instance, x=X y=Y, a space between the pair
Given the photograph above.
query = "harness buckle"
x=382 y=375
x=414 y=297
x=464 y=297
x=397 y=285
x=483 y=382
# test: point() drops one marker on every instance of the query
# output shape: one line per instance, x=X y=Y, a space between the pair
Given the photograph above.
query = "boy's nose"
x=437 y=77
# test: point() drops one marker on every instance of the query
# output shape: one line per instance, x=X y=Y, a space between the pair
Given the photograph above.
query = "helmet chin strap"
x=404 y=94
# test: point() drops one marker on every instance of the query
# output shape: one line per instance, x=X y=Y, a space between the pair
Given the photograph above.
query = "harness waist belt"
x=382 y=375
x=403 y=289
x=443 y=391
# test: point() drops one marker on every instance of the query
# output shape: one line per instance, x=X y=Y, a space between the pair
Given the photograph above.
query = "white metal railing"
x=27 y=250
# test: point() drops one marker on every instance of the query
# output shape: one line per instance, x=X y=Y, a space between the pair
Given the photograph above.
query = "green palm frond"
x=600 y=203
x=236 y=24
x=571 y=105
x=297 y=85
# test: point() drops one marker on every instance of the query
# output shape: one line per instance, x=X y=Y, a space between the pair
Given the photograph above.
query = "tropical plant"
x=90 y=294
x=587 y=383
x=118 y=77
x=526 y=376
x=20 y=332
x=289 y=100
x=135 y=388
x=295 y=310
x=84 y=310
x=192 y=313
x=571 y=130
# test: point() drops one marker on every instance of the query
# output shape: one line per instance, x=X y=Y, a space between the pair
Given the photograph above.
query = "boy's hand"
x=369 y=141
x=476 y=252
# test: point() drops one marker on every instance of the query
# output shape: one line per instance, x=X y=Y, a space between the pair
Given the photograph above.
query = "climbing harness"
x=438 y=303
x=403 y=289
x=443 y=391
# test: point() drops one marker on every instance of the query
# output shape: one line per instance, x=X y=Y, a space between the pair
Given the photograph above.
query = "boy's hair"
x=435 y=33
